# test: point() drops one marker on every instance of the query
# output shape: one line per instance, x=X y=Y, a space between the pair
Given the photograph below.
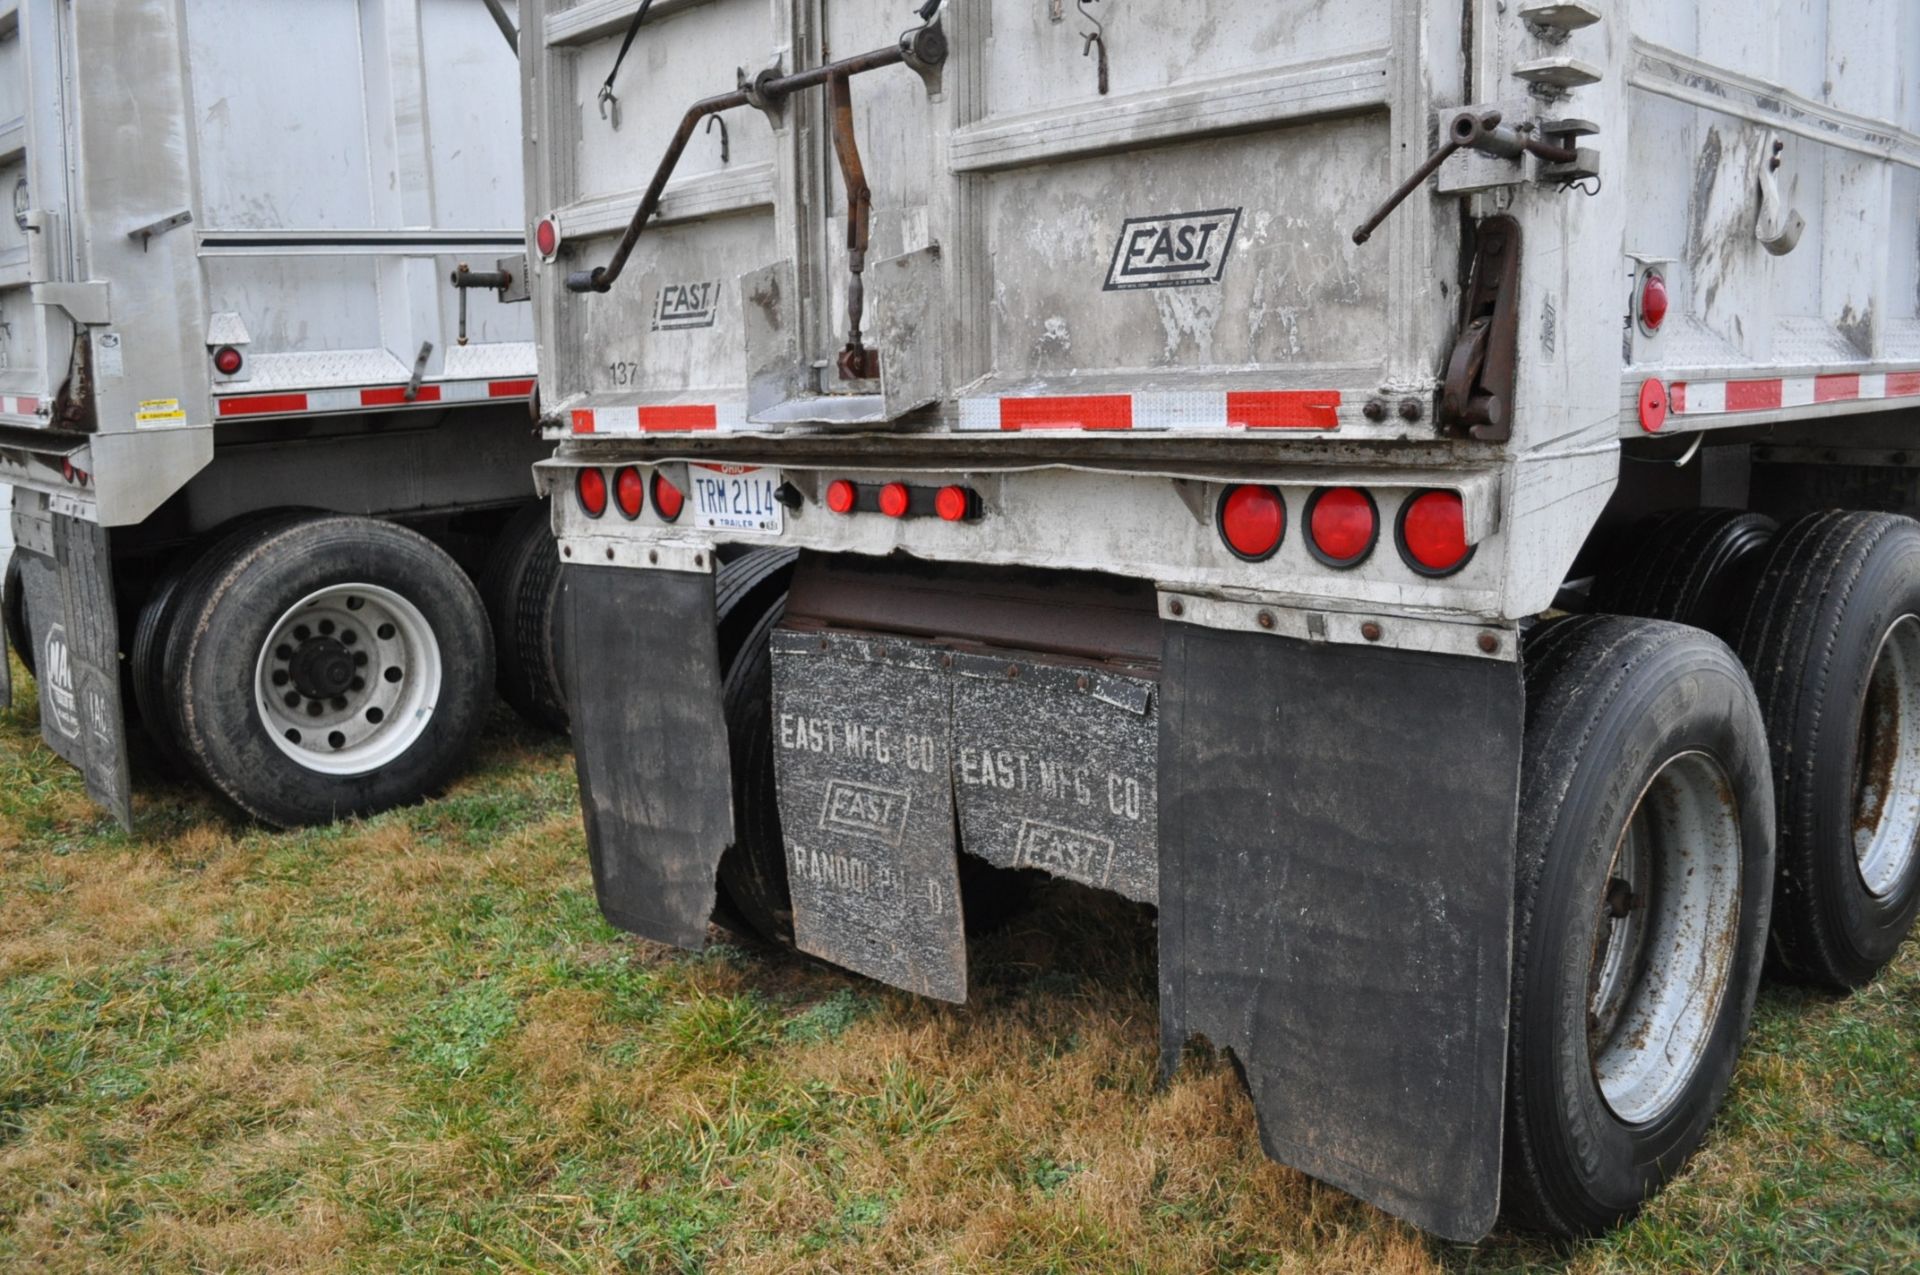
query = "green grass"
x=412 y=1044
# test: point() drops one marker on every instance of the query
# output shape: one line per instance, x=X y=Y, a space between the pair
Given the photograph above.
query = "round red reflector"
x=841 y=496
x=894 y=499
x=1342 y=526
x=591 y=486
x=1253 y=520
x=1654 y=404
x=1433 y=533
x=953 y=503
x=629 y=492
x=546 y=237
x=1653 y=302
x=668 y=500
x=227 y=360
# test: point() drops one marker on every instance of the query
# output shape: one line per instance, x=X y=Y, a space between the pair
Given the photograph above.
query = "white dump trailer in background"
x=256 y=435
x=1417 y=490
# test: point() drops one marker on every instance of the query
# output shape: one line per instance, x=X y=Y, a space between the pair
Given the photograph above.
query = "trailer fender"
x=1337 y=831
x=650 y=745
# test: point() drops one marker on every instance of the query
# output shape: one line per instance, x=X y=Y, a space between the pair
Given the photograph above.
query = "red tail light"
x=591 y=486
x=668 y=500
x=1433 y=533
x=957 y=504
x=1343 y=525
x=546 y=238
x=629 y=492
x=228 y=361
x=1653 y=302
x=841 y=496
x=1253 y=521
x=894 y=500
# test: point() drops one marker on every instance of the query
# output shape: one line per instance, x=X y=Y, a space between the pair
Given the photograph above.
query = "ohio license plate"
x=736 y=498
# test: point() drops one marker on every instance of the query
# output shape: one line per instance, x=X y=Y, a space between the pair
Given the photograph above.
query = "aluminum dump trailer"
x=1418 y=491
x=257 y=436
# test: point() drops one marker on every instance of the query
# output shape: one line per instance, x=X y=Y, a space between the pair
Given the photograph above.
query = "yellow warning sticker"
x=160 y=411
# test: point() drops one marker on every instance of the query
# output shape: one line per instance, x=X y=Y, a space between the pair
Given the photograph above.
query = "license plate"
x=736 y=498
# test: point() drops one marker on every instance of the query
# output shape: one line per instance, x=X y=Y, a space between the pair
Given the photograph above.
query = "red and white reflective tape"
x=316 y=402
x=663 y=418
x=1771 y=394
x=1243 y=410
x=19 y=405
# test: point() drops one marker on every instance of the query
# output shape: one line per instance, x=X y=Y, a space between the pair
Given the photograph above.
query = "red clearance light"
x=668 y=500
x=956 y=504
x=1433 y=533
x=894 y=499
x=227 y=360
x=841 y=496
x=591 y=486
x=1343 y=525
x=1253 y=521
x=629 y=492
x=1653 y=302
x=546 y=237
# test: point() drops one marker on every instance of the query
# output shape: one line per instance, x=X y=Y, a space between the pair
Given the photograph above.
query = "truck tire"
x=1643 y=878
x=520 y=585
x=750 y=600
x=1832 y=640
x=1691 y=566
x=328 y=668
x=14 y=614
x=154 y=626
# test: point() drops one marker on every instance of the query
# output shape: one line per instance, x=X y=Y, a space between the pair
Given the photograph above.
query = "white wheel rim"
x=353 y=722
x=1668 y=922
x=1886 y=807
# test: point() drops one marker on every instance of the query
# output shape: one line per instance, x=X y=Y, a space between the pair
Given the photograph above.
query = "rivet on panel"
x=1176 y=608
x=1370 y=631
x=1489 y=643
x=1266 y=619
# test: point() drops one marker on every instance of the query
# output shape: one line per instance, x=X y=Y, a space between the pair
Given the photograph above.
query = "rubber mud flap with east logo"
x=860 y=734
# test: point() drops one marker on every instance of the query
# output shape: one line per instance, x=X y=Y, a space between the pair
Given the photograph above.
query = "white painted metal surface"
x=1237 y=146
x=297 y=181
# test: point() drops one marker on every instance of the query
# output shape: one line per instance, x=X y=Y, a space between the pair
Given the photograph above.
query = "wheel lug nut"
x=280 y=677
x=301 y=633
x=326 y=627
x=314 y=708
x=293 y=699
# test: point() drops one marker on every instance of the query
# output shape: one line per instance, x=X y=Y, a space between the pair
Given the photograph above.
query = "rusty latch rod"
x=925 y=44
x=463 y=279
x=1469 y=131
x=857 y=362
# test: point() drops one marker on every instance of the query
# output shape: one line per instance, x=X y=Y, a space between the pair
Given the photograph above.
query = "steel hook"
x=726 y=149
x=1096 y=39
x=608 y=100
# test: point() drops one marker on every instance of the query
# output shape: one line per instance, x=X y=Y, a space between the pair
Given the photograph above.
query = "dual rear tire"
x=314 y=667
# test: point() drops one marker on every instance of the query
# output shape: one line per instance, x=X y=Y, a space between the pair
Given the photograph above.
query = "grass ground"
x=412 y=1044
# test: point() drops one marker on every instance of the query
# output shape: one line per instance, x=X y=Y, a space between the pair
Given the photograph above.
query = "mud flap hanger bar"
x=923 y=47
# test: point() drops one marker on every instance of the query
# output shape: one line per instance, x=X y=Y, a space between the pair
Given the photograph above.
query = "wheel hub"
x=347 y=679
x=322 y=668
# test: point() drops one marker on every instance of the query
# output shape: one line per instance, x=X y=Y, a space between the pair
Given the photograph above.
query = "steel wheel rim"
x=1664 y=948
x=350 y=722
x=1886 y=806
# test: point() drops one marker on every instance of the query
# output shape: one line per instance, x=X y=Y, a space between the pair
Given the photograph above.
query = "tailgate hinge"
x=1477 y=397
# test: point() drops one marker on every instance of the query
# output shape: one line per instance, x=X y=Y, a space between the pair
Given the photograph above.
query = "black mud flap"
x=81 y=716
x=1054 y=770
x=860 y=732
x=650 y=745
x=1337 y=831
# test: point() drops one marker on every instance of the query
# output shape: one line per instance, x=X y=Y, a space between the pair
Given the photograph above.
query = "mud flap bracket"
x=1337 y=831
